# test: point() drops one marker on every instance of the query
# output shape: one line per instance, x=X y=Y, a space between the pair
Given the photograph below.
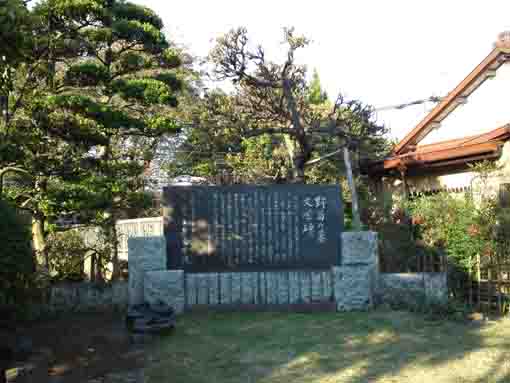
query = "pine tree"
x=316 y=95
x=95 y=96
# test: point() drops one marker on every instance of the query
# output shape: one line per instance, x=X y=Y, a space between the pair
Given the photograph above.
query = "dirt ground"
x=85 y=348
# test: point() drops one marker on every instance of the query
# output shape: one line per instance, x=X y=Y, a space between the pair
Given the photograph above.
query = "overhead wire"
x=435 y=99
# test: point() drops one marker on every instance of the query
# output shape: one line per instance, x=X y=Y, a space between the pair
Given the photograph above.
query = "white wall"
x=458 y=180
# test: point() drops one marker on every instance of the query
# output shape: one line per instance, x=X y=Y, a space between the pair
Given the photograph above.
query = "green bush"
x=452 y=223
x=16 y=258
x=66 y=253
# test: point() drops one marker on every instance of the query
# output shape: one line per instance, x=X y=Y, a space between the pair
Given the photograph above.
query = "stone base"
x=349 y=286
x=353 y=287
x=145 y=254
x=286 y=287
x=165 y=286
x=355 y=281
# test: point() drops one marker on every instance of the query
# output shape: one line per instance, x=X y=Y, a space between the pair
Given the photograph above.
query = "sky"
x=382 y=52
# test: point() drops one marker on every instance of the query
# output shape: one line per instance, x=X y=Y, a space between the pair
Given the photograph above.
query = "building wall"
x=457 y=182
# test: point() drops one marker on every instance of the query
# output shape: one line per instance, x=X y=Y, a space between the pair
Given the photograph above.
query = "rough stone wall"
x=145 y=254
x=415 y=288
x=265 y=287
x=86 y=296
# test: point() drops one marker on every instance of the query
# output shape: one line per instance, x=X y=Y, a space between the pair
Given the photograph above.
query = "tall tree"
x=215 y=147
x=316 y=94
x=101 y=92
x=273 y=98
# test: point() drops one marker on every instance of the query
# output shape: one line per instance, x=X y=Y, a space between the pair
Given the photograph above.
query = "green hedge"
x=16 y=260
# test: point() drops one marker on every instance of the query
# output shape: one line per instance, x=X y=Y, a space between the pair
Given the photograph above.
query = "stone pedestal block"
x=436 y=287
x=353 y=287
x=359 y=247
x=355 y=281
x=165 y=286
x=144 y=254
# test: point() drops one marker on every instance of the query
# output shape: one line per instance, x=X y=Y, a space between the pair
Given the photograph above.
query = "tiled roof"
x=466 y=149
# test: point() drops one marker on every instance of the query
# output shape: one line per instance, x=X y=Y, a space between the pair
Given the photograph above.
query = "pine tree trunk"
x=299 y=171
x=301 y=148
x=115 y=258
x=93 y=266
x=39 y=242
x=299 y=160
x=99 y=269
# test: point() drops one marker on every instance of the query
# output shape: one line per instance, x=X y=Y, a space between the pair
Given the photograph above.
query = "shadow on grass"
x=328 y=347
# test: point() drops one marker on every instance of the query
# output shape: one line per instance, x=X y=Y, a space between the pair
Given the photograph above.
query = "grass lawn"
x=380 y=346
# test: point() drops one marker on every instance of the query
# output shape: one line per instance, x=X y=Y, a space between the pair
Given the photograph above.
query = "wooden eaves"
x=458 y=96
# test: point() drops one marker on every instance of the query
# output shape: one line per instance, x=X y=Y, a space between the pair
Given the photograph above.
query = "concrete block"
x=166 y=286
x=359 y=248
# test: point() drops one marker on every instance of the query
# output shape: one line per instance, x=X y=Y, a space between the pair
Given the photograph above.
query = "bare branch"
x=315 y=161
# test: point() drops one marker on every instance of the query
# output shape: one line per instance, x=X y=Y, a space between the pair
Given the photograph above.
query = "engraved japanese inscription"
x=248 y=226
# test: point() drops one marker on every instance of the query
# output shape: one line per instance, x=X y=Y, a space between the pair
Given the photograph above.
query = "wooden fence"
x=420 y=262
x=485 y=288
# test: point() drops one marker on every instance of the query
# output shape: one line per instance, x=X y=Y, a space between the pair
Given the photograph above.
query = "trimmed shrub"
x=66 y=253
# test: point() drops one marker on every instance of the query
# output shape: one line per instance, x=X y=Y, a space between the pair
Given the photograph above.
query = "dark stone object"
x=19 y=350
x=245 y=227
x=147 y=318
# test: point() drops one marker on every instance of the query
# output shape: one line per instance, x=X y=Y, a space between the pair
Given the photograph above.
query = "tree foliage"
x=450 y=222
x=85 y=108
x=276 y=99
x=219 y=143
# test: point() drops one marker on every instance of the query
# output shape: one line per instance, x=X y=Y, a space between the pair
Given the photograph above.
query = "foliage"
x=86 y=108
x=16 y=262
x=449 y=222
x=259 y=161
x=276 y=99
x=14 y=31
x=66 y=253
x=316 y=95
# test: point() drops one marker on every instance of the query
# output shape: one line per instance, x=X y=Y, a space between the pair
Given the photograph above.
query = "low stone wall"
x=412 y=288
x=266 y=287
x=86 y=296
x=186 y=291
